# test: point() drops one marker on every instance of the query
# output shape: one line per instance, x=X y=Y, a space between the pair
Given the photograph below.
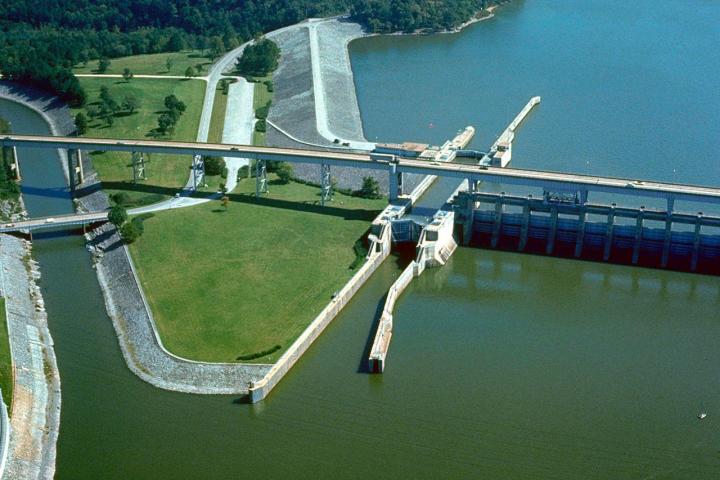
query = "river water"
x=502 y=365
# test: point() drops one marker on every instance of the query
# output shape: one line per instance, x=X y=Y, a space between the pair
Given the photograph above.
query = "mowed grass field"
x=166 y=173
x=217 y=121
x=222 y=284
x=6 y=378
x=261 y=97
x=151 y=64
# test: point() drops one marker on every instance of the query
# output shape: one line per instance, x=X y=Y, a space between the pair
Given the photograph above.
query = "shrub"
x=370 y=188
x=255 y=355
x=284 y=171
x=121 y=198
x=262 y=112
x=81 y=123
x=361 y=252
x=131 y=231
x=214 y=165
x=117 y=215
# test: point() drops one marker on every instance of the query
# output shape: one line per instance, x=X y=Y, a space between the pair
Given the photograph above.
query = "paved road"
x=321 y=115
x=508 y=176
x=116 y=75
x=238 y=125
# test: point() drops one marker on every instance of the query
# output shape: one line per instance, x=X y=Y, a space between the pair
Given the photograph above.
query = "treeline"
x=39 y=44
x=385 y=16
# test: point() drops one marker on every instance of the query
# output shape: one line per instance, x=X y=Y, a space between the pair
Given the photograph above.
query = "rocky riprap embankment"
x=36 y=399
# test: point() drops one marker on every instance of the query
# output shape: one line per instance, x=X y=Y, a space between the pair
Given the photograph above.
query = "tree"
x=172 y=103
x=217 y=47
x=260 y=59
x=131 y=231
x=169 y=62
x=225 y=200
x=81 y=123
x=109 y=120
x=127 y=74
x=199 y=68
x=108 y=105
x=189 y=72
x=103 y=65
x=166 y=123
x=370 y=188
x=284 y=171
x=130 y=103
x=121 y=198
x=224 y=86
x=214 y=165
x=117 y=215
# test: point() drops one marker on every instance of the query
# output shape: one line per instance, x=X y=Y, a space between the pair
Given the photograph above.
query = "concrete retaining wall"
x=259 y=390
x=381 y=344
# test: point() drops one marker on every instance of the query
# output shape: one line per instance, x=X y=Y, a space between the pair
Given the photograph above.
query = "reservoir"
x=502 y=365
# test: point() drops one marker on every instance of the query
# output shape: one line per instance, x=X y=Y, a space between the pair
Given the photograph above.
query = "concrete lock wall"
x=260 y=390
x=381 y=343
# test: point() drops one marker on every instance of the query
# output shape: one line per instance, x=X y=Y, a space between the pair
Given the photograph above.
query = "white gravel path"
x=238 y=125
x=336 y=108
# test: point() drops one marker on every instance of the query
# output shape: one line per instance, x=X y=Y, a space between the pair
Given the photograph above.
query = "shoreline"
x=35 y=419
x=37 y=397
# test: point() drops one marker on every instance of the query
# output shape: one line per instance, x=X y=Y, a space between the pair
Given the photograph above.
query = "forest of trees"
x=39 y=46
x=384 y=16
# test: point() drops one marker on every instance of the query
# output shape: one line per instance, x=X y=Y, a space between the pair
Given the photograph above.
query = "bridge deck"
x=510 y=176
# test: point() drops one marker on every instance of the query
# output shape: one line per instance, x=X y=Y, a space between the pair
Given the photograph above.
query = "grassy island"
x=224 y=284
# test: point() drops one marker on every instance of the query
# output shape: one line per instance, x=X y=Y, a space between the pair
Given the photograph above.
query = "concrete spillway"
x=612 y=233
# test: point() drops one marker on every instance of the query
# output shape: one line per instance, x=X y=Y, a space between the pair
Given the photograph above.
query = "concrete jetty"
x=500 y=153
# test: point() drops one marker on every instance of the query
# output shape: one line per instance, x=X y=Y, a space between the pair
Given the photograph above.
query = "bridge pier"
x=497 y=226
x=638 y=235
x=696 y=243
x=525 y=224
x=395 y=182
x=138 y=166
x=325 y=184
x=15 y=163
x=75 y=168
x=198 y=170
x=553 y=230
x=609 y=233
x=261 y=183
x=581 y=231
x=668 y=233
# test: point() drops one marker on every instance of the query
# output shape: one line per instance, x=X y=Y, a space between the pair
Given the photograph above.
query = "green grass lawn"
x=217 y=121
x=151 y=64
x=227 y=283
x=166 y=173
x=261 y=97
x=6 y=378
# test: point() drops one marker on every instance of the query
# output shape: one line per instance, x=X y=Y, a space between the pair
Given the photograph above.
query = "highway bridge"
x=564 y=183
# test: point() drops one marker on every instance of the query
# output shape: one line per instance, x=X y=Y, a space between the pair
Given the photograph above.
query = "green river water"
x=502 y=365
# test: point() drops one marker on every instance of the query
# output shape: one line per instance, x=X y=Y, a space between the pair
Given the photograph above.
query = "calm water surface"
x=502 y=365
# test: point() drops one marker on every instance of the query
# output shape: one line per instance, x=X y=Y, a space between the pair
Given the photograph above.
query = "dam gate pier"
x=566 y=224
